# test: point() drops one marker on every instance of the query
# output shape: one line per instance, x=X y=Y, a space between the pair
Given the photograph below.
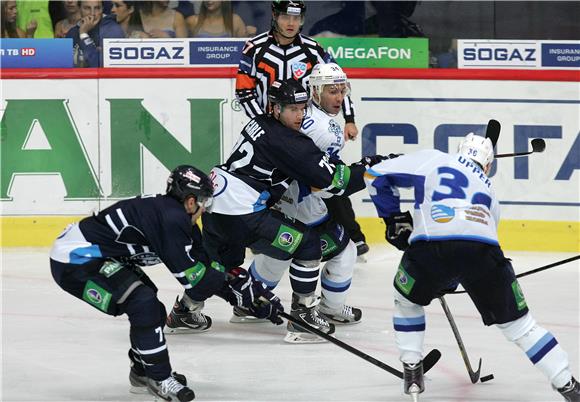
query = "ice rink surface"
x=57 y=348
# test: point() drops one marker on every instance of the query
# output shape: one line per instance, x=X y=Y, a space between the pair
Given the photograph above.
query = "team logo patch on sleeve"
x=288 y=239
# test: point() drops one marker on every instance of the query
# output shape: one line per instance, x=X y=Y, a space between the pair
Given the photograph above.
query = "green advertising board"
x=378 y=52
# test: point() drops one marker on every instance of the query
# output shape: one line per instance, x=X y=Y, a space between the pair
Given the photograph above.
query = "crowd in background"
x=441 y=21
x=183 y=18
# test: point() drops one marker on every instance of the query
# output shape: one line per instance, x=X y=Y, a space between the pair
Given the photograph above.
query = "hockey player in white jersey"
x=451 y=239
x=328 y=87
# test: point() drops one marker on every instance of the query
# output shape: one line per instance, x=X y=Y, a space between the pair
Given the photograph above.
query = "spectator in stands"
x=392 y=19
x=185 y=7
x=34 y=13
x=8 y=22
x=216 y=19
x=160 y=21
x=348 y=21
x=129 y=17
x=73 y=15
x=88 y=34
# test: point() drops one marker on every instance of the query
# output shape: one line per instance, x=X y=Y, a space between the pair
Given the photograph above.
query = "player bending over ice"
x=452 y=238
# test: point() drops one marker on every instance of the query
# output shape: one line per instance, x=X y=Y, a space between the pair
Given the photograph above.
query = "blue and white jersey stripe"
x=454 y=199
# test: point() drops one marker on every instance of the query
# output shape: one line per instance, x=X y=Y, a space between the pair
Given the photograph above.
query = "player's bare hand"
x=350 y=132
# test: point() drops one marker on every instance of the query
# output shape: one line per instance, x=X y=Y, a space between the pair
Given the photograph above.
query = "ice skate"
x=138 y=381
x=345 y=315
x=361 y=249
x=242 y=316
x=186 y=318
x=171 y=389
x=570 y=391
x=413 y=383
x=305 y=310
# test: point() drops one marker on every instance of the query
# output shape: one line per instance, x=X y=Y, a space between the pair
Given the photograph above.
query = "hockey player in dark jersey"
x=283 y=53
x=268 y=155
x=98 y=261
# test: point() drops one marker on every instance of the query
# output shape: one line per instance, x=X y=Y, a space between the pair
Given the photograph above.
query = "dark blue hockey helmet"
x=287 y=92
x=185 y=181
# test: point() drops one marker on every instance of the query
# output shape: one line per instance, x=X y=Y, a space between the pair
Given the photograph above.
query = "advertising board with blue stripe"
x=36 y=53
x=561 y=54
x=215 y=51
x=145 y=53
x=522 y=54
x=187 y=52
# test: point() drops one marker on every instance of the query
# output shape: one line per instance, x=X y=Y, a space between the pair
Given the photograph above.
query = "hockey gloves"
x=399 y=229
x=252 y=296
x=370 y=161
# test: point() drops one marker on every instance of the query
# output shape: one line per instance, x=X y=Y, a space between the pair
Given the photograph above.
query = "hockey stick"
x=538 y=145
x=533 y=271
x=429 y=361
x=473 y=375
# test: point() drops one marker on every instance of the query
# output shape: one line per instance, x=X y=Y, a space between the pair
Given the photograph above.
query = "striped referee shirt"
x=263 y=61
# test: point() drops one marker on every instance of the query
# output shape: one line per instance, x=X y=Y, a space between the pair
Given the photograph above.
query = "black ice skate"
x=186 y=317
x=361 y=249
x=243 y=316
x=139 y=380
x=171 y=389
x=570 y=391
x=305 y=309
x=413 y=383
x=344 y=315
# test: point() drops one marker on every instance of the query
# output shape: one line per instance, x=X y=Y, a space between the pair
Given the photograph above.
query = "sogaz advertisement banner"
x=187 y=52
x=72 y=147
x=378 y=52
x=511 y=53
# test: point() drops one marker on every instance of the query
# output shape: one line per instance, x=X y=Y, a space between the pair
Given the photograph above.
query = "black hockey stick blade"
x=429 y=361
x=474 y=375
x=492 y=131
x=538 y=145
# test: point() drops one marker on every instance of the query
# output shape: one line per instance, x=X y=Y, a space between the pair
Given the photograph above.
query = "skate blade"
x=247 y=320
x=414 y=391
x=139 y=390
x=335 y=322
x=177 y=331
x=302 y=337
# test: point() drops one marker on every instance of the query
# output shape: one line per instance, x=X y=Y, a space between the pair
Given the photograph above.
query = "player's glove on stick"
x=399 y=229
x=370 y=161
x=253 y=296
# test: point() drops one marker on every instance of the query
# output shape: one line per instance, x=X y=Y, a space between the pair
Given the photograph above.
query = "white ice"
x=57 y=348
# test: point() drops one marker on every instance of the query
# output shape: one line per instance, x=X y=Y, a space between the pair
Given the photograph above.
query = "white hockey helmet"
x=325 y=74
x=477 y=148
